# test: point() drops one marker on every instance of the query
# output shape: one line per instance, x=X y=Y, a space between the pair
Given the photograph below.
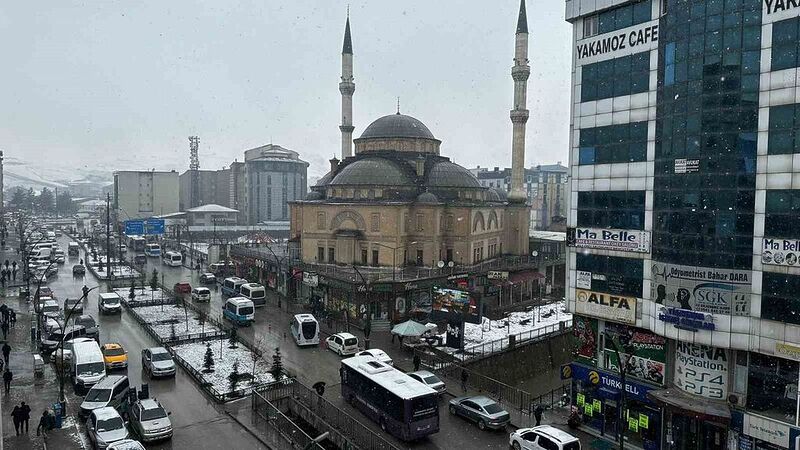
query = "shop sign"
x=449 y=303
x=745 y=442
x=627 y=41
x=497 y=275
x=788 y=351
x=585 y=332
x=311 y=279
x=602 y=378
x=686 y=320
x=583 y=280
x=702 y=370
x=457 y=276
x=647 y=360
x=777 y=10
x=606 y=306
x=767 y=430
x=684 y=165
x=780 y=252
x=609 y=239
x=702 y=289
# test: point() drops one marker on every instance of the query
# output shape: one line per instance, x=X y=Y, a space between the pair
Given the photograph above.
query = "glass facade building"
x=684 y=211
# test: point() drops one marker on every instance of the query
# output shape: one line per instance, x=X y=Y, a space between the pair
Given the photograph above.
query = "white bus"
x=152 y=250
x=231 y=285
x=305 y=329
x=173 y=259
x=404 y=407
x=254 y=292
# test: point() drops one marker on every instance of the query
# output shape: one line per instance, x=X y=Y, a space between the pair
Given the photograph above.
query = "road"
x=198 y=421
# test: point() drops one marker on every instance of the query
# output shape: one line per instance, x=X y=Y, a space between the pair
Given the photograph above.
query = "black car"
x=78 y=269
x=140 y=259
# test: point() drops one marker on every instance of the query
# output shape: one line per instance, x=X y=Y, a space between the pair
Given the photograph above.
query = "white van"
x=173 y=259
x=254 y=292
x=305 y=329
x=110 y=391
x=231 y=285
x=41 y=253
x=239 y=310
x=87 y=366
x=109 y=303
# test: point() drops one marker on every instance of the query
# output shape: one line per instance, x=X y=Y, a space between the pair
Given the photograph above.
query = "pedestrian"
x=26 y=416
x=7 y=377
x=393 y=336
x=464 y=378
x=45 y=423
x=12 y=317
x=416 y=360
x=537 y=414
x=14 y=273
x=16 y=416
x=4 y=327
x=6 y=352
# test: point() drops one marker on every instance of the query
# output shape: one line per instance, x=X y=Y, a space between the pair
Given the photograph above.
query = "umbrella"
x=409 y=328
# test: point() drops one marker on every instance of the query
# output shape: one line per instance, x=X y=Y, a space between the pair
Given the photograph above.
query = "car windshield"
x=161 y=357
x=153 y=414
x=245 y=310
x=433 y=379
x=114 y=423
x=95 y=368
x=119 y=351
x=98 y=395
x=492 y=408
x=111 y=301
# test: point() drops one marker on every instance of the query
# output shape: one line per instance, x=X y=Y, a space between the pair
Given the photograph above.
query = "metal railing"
x=526 y=337
x=282 y=426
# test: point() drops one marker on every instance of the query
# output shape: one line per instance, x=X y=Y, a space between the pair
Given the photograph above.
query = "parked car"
x=105 y=426
x=114 y=356
x=482 y=410
x=126 y=444
x=149 y=421
x=208 y=278
x=342 y=343
x=182 y=287
x=50 y=308
x=429 y=379
x=91 y=326
x=158 y=362
x=543 y=437
x=67 y=351
x=378 y=354
x=73 y=304
x=45 y=291
x=78 y=269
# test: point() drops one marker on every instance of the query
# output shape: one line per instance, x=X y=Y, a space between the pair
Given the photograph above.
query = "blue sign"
x=686 y=319
x=134 y=227
x=603 y=379
x=154 y=226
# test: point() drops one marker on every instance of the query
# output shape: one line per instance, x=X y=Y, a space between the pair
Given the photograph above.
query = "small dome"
x=397 y=126
x=427 y=197
x=314 y=195
x=492 y=196
x=325 y=180
x=449 y=174
x=372 y=171
x=501 y=194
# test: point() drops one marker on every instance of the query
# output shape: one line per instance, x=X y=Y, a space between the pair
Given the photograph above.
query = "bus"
x=231 y=285
x=239 y=310
x=305 y=329
x=152 y=250
x=137 y=243
x=254 y=292
x=404 y=407
x=173 y=259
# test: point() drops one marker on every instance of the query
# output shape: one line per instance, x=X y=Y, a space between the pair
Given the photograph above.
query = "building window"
x=624 y=16
x=590 y=26
x=779 y=300
x=420 y=259
x=449 y=224
x=611 y=274
x=477 y=254
x=784 y=130
x=363 y=256
x=611 y=209
x=375 y=260
x=772 y=387
x=669 y=64
x=322 y=221
x=406 y=223
x=321 y=254
x=785 y=43
x=782 y=210
x=613 y=144
x=331 y=255
x=449 y=254
x=420 y=222
x=375 y=222
x=625 y=75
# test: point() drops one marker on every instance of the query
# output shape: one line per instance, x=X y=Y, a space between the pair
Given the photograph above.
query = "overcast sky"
x=120 y=84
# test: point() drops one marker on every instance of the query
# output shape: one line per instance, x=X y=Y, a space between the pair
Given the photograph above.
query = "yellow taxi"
x=114 y=356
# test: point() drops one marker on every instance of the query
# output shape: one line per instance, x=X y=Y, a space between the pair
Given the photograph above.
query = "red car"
x=182 y=287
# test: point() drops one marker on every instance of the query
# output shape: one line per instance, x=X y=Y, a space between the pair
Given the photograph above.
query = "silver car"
x=149 y=421
x=430 y=380
x=126 y=444
x=158 y=362
x=105 y=426
x=482 y=410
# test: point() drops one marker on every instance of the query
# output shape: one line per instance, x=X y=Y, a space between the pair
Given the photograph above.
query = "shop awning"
x=699 y=407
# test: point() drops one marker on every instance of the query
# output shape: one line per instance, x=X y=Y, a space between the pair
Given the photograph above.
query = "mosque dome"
x=397 y=126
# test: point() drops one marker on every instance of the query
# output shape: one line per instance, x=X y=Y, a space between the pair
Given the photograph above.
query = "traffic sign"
x=134 y=227
x=154 y=226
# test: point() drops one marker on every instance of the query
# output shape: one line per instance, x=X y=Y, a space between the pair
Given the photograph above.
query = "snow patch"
x=194 y=355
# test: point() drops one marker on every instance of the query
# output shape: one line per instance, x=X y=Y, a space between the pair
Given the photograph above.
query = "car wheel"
x=516 y=445
x=453 y=410
x=481 y=425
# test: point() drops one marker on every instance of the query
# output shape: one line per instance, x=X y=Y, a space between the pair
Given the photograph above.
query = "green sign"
x=580 y=399
x=597 y=406
x=644 y=421
x=587 y=409
x=633 y=424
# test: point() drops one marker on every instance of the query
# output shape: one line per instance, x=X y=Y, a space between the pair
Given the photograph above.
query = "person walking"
x=7 y=377
x=4 y=327
x=14 y=273
x=26 y=416
x=45 y=423
x=464 y=378
x=6 y=352
x=12 y=317
x=417 y=360
x=16 y=416
x=537 y=414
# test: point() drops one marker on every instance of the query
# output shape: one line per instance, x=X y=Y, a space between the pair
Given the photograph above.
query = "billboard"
x=648 y=352
x=609 y=239
x=449 y=303
x=606 y=306
x=585 y=332
x=702 y=370
x=455 y=333
x=702 y=289
x=780 y=252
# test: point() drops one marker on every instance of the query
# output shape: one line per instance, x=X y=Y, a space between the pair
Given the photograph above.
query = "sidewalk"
x=38 y=393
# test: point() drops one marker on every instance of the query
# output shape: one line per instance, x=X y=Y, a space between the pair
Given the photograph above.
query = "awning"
x=518 y=277
x=698 y=407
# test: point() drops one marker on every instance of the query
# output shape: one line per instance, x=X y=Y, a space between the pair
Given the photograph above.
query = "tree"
x=132 y=294
x=201 y=319
x=232 y=339
x=234 y=376
x=46 y=200
x=256 y=353
x=64 y=203
x=153 y=282
x=208 y=360
x=172 y=335
x=18 y=198
x=277 y=365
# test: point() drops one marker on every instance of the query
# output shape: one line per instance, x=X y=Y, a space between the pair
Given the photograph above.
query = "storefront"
x=756 y=432
x=598 y=396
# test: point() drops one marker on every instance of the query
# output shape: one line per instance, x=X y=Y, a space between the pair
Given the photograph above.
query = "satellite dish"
x=440 y=264
x=450 y=264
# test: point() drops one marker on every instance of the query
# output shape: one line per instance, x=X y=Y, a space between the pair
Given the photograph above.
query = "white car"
x=429 y=379
x=126 y=444
x=201 y=294
x=378 y=354
x=342 y=343
x=544 y=437
x=105 y=426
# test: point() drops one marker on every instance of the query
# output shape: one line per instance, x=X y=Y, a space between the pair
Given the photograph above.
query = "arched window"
x=478 y=221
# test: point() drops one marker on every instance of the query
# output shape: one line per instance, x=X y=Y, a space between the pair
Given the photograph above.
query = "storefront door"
x=689 y=433
x=610 y=418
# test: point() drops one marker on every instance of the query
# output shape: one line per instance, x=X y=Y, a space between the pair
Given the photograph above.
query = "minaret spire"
x=519 y=115
x=347 y=87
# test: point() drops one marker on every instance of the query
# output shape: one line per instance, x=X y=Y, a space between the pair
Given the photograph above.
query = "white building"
x=143 y=194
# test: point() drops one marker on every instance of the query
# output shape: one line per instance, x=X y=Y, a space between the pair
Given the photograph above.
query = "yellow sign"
x=597 y=405
x=566 y=372
x=594 y=377
x=787 y=351
x=587 y=409
x=580 y=399
x=644 y=421
x=633 y=424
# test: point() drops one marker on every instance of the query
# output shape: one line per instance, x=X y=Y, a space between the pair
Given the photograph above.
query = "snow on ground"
x=522 y=322
x=160 y=318
x=194 y=355
x=142 y=295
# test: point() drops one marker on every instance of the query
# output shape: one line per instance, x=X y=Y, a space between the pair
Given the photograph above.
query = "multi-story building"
x=237 y=189
x=685 y=195
x=214 y=188
x=274 y=176
x=143 y=194
x=546 y=187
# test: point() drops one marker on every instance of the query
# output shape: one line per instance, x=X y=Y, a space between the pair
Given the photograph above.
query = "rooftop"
x=211 y=208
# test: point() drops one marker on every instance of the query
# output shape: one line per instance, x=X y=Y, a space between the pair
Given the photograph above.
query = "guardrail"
x=283 y=427
x=526 y=337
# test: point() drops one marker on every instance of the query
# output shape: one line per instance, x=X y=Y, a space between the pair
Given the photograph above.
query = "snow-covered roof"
x=212 y=208
x=549 y=235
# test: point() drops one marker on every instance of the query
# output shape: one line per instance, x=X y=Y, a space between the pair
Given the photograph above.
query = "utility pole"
x=108 y=234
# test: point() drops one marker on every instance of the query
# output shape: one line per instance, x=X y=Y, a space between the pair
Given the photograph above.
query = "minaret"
x=519 y=115
x=347 y=87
